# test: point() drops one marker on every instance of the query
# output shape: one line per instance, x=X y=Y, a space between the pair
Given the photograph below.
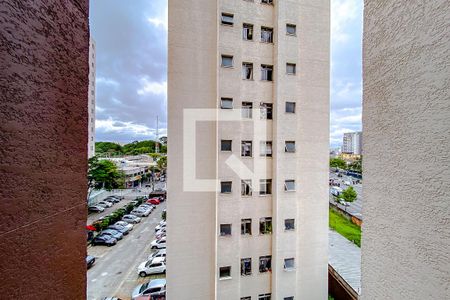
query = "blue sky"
x=131 y=44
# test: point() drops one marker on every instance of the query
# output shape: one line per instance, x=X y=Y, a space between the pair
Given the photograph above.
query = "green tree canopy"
x=134 y=148
x=104 y=174
x=338 y=163
x=162 y=162
x=349 y=194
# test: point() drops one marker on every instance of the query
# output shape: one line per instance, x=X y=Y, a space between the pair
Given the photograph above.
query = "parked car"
x=134 y=202
x=158 y=244
x=159 y=227
x=146 y=206
x=111 y=298
x=95 y=208
x=104 y=203
x=112 y=200
x=90 y=260
x=104 y=239
x=153 y=201
x=154 y=266
x=161 y=231
x=128 y=226
x=155 y=287
x=119 y=228
x=160 y=235
x=131 y=219
x=114 y=233
x=159 y=253
x=140 y=212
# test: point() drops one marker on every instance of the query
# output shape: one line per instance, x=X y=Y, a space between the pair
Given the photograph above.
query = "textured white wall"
x=406 y=120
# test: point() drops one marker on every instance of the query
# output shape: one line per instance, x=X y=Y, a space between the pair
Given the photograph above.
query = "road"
x=115 y=270
x=354 y=208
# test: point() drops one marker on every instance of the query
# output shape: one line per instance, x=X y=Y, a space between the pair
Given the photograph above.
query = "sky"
x=131 y=85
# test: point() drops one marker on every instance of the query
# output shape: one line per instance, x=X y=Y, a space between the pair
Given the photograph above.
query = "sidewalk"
x=345 y=258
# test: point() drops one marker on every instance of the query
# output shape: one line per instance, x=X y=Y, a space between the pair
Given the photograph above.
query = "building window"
x=267 y=1
x=266 y=35
x=265 y=225
x=225 y=229
x=266 y=148
x=266 y=111
x=265 y=264
x=289 y=224
x=246 y=226
x=225 y=145
x=291 y=29
x=227 y=19
x=289 y=264
x=246 y=187
x=226 y=103
x=247 y=32
x=288 y=298
x=246 y=298
x=247 y=71
x=290 y=107
x=246 y=111
x=246 y=148
x=227 y=61
x=289 y=146
x=225 y=187
x=225 y=272
x=265 y=186
x=266 y=72
x=246 y=266
x=290 y=69
x=289 y=185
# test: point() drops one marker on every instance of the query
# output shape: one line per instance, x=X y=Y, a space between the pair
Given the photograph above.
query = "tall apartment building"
x=352 y=143
x=91 y=99
x=248 y=105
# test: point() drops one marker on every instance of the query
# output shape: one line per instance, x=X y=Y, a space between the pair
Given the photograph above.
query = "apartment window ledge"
x=248 y=79
x=246 y=196
x=267 y=43
x=265 y=80
x=227 y=67
x=246 y=275
x=227 y=25
x=291 y=74
x=225 y=236
x=291 y=34
x=265 y=195
x=246 y=235
x=225 y=278
x=290 y=191
x=289 y=270
x=289 y=230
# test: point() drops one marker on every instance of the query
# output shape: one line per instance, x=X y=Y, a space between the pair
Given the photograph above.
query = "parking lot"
x=353 y=208
x=115 y=270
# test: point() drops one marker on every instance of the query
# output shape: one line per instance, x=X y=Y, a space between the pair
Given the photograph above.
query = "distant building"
x=91 y=99
x=136 y=168
x=352 y=143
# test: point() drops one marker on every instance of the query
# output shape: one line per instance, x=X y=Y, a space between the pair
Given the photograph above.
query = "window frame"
x=224 y=100
x=294 y=68
x=222 y=144
x=265 y=69
x=286 y=188
x=251 y=148
x=268 y=263
x=246 y=224
x=249 y=27
x=244 y=184
x=266 y=111
x=269 y=30
x=265 y=226
x=263 y=145
x=286 y=143
x=224 y=268
x=223 y=185
x=267 y=183
x=227 y=15
x=290 y=25
x=245 y=67
x=291 y=259
x=223 y=233
x=289 y=221
x=227 y=56
x=293 y=105
x=244 y=270
x=247 y=110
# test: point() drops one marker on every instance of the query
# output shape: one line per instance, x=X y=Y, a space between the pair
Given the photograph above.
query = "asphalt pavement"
x=354 y=208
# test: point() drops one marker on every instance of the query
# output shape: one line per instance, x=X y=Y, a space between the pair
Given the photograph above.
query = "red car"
x=153 y=201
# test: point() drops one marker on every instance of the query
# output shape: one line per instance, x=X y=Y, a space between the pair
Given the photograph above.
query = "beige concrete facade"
x=406 y=120
x=91 y=99
x=197 y=80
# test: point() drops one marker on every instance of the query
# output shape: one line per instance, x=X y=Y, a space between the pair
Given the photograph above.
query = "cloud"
x=157 y=88
x=121 y=131
x=343 y=12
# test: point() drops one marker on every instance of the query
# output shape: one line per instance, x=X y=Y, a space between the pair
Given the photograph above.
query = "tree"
x=162 y=162
x=338 y=163
x=104 y=174
x=348 y=195
x=356 y=165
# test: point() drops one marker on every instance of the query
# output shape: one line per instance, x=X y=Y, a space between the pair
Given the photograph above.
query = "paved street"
x=114 y=272
x=355 y=207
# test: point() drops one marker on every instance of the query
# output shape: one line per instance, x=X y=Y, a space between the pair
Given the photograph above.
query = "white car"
x=159 y=253
x=140 y=212
x=104 y=204
x=128 y=226
x=161 y=231
x=160 y=235
x=146 y=206
x=163 y=223
x=131 y=219
x=158 y=244
x=159 y=227
x=154 y=266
